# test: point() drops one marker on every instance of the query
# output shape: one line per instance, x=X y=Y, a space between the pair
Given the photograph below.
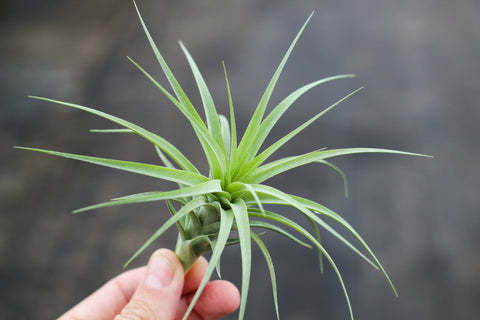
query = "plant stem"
x=186 y=255
x=189 y=251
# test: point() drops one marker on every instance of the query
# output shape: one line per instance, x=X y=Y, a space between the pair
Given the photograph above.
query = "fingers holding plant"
x=161 y=290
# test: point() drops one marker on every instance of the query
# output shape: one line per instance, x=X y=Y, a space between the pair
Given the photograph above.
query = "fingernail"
x=159 y=273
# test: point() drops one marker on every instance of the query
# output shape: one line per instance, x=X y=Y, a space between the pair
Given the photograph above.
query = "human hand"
x=158 y=291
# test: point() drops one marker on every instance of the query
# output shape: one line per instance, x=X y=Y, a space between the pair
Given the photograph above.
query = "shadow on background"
x=419 y=61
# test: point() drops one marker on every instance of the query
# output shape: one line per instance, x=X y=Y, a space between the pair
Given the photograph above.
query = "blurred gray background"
x=418 y=60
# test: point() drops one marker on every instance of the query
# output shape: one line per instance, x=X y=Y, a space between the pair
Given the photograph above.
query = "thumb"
x=158 y=294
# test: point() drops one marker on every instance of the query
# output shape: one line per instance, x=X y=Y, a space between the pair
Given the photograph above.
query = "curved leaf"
x=262 y=157
x=207 y=100
x=287 y=199
x=277 y=229
x=282 y=198
x=283 y=106
x=160 y=142
x=174 y=175
x=240 y=212
x=271 y=269
x=331 y=214
x=340 y=172
x=215 y=156
x=276 y=167
x=199 y=189
x=254 y=124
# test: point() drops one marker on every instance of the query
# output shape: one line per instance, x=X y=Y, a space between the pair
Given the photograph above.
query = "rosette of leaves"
x=226 y=205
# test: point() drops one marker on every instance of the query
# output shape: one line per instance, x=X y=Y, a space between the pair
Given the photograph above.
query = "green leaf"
x=192 y=205
x=218 y=266
x=280 y=109
x=252 y=165
x=287 y=199
x=199 y=189
x=233 y=126
x=163 y=144
x=164 y=159
x=241 y=217
x=216 y=163
x=252 y=129
x=243 y=187
x=340 y=172
x=215 y=156
x=331 y=214
x=274 y=168
x=317 y=236
x=174 y=175
x=255 y=213
x=273 y=198
x=277 y=229
x=179 y=223
x=208 y=104
x=271 y=269
x=225 y=133
x=181 y=96
x=226 y=222
x=168 y=164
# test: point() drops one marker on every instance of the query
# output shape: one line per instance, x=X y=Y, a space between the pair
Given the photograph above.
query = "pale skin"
x=159 y=291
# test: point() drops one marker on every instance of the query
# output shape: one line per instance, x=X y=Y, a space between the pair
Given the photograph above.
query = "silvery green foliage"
x=231 y=197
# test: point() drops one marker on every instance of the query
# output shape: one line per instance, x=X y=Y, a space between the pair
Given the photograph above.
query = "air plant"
x=226 y=205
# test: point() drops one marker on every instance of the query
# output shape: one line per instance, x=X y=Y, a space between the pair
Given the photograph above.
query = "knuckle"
x=137 y=310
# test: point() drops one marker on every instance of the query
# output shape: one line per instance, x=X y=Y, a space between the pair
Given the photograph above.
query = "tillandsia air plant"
x=226 y=206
